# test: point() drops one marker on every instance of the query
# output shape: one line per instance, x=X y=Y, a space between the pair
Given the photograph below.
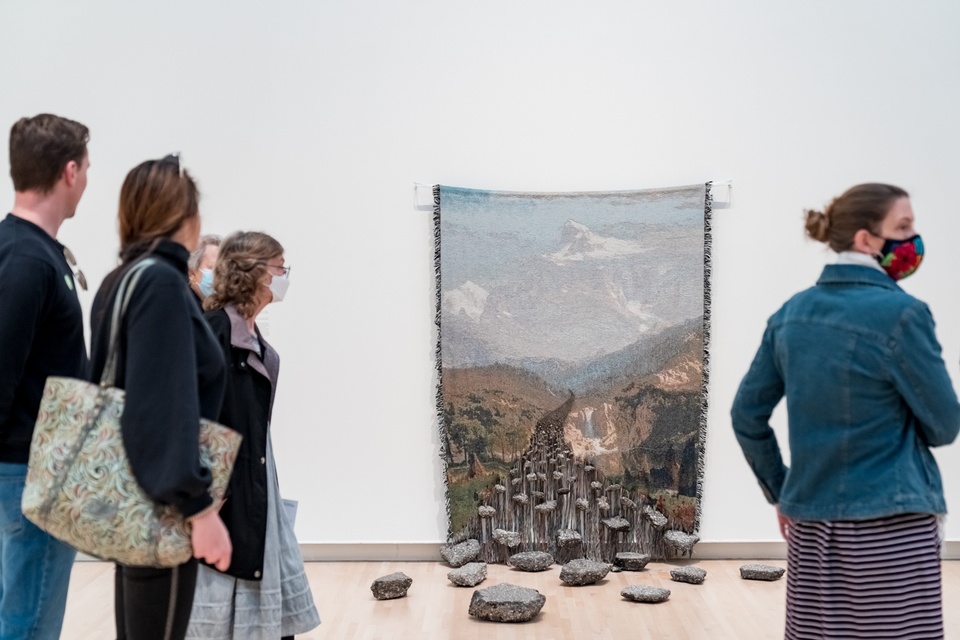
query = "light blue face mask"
x=206 y=282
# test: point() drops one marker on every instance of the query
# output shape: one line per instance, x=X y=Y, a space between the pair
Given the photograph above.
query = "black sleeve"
x=161 y=418
x=24 y=285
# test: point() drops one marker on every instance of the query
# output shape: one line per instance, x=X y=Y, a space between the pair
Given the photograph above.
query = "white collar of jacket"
x=859 y=259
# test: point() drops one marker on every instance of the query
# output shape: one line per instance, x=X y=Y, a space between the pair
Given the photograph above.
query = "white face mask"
x=278 y=287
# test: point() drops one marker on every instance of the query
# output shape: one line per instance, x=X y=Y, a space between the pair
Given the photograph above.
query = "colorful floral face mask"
x=900 y=258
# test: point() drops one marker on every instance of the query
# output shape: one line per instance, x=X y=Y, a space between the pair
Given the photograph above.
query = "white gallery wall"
x=313 y=120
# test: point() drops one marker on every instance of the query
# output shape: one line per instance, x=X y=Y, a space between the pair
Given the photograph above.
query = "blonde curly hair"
x=241 y=270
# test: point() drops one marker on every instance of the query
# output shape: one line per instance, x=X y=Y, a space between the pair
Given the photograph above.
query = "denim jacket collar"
x=855 y=274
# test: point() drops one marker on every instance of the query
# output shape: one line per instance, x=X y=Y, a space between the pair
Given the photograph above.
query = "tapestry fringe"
x=438 y=361
x=705 y=382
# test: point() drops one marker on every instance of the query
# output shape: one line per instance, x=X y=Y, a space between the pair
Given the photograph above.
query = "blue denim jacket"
x=867 y=394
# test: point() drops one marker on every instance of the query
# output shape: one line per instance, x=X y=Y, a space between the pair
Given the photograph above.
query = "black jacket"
x=172 y=372
x=41 y=329
x=247 y=407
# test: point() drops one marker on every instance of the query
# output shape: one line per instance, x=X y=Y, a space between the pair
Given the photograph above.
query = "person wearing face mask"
x=200 y=266
x=264 y=593
x=868 y=395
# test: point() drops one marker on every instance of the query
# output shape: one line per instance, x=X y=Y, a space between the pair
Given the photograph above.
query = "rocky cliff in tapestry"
x=572 y=362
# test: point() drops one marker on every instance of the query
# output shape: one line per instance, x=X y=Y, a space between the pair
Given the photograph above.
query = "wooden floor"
x=723 y=607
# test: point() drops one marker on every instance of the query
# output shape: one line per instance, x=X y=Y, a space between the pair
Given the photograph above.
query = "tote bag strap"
x=107 y=380
x=124 y=292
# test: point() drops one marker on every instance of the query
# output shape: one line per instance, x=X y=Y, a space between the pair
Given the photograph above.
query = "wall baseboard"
x=430 y=551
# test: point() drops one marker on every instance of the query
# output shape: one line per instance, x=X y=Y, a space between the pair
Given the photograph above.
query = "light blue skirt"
x=228 y=608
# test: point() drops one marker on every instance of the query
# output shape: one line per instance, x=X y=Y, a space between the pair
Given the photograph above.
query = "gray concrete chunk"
x=691 y=575
x=506 y=538
x=645 y=593
x=469 y=575
x=681 y=541
x=765 y=572
x=458 y=555
x=630 y=561
x=617 y=524
x=531 y=561
x=392 y=586
x=506 y=603
x=580 y=572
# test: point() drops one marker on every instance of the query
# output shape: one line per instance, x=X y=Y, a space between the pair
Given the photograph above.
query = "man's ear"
x=70 y=172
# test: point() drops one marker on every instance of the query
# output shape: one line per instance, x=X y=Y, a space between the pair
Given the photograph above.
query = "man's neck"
x=42 y=210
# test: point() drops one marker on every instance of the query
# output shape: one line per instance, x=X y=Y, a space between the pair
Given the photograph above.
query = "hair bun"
x=817 y=225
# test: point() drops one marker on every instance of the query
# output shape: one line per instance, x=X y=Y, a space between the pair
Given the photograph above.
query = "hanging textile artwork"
x=572 y=362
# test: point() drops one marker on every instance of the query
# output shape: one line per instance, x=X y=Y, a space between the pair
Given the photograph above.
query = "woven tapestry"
x=572 y=368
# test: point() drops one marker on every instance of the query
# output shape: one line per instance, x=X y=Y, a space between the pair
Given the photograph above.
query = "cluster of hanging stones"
x=557 y=503
x=506 y=602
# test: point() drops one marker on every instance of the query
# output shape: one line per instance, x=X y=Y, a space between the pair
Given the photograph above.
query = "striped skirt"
x=864 y=579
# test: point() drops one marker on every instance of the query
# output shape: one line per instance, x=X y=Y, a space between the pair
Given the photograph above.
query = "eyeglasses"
x=175 y=158
x=285 y=269
x=77 y=273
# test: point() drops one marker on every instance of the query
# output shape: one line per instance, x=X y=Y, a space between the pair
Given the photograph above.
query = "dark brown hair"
x=241 y=270
x=155 y=200
x=861 y=207
x=40 y=147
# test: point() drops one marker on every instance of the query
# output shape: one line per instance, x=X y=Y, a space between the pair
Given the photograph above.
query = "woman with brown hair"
x=173 y=374
x=264 y=594
x=868 y=395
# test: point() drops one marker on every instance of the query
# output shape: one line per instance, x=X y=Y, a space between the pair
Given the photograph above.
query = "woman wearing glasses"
x=173 y=373
x=264 y=593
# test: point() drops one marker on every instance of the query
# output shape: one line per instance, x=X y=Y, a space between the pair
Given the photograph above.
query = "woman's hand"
x=785 y=523
x=211 y=541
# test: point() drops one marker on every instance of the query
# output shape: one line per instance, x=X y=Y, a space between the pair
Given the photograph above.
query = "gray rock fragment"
x=588 y=467
x=656 y=519
x=458 y=555
x=568 y=537
x=602 y=504
x=761 y=572
x=617 y=524
x=485 y=511
x=469 y=575
x=558 y=475
x=531 y=561
x=516 y=481
x=521 y=498
x=562 y=491
x=681 y=541
x=500 y=488
x=596 y=485
x=506 y=603
x=582 y=571
x=614 y=487
x=583 y=504
x=627 y=503
x=531 y=477
x=645 y=593
x=630 y=561
x=546 y=507
x=506 y=538
x=392 y=586
x=692 y=575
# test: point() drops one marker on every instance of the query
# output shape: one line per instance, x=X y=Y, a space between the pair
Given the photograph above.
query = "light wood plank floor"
x=723 y=607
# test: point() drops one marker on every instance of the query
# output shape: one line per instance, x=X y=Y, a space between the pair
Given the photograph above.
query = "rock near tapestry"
x=572 y=357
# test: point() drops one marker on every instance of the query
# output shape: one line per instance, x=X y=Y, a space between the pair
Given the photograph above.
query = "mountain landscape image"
x=572 y=354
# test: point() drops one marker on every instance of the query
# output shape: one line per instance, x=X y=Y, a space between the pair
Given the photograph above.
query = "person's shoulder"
x=218 y=320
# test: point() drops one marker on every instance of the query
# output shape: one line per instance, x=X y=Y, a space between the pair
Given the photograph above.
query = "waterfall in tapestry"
x=572 y=361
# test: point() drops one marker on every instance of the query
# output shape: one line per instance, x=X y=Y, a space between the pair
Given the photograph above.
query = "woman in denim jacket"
x=868 y=395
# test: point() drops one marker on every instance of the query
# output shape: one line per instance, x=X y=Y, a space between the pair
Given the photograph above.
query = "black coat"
x=173 y=375
x=246 y=409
